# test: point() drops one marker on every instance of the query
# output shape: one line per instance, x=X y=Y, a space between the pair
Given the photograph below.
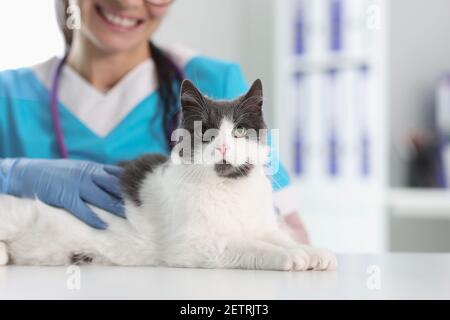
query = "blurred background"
x=359 y=89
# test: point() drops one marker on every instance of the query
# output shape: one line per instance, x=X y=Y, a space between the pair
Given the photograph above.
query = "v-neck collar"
x=101 y=112
x=146 y=67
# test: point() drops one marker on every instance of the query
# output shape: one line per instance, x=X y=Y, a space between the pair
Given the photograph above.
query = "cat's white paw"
x=3 y=254
x=322 y=259
x=300 y=259
x=280 y=261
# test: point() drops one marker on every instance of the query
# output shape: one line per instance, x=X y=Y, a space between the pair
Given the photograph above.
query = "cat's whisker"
x=242 y=172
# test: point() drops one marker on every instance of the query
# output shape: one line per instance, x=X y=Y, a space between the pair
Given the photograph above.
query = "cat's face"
x=227 y=136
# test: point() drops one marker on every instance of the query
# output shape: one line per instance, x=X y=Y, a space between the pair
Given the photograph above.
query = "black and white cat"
x=216 y=212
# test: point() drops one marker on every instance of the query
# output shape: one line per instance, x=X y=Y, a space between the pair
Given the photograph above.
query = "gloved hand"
x=68 y=184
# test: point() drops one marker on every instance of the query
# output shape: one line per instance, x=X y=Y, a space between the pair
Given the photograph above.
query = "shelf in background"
x=419 y=203
x=339 y=63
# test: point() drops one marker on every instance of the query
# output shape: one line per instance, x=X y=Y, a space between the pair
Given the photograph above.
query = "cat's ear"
x=254 y=97
x=190 y=97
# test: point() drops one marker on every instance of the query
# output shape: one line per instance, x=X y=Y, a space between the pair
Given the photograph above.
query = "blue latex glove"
x=68 y=184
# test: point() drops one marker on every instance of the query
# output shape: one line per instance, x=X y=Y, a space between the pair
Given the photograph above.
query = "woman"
x=113 y=97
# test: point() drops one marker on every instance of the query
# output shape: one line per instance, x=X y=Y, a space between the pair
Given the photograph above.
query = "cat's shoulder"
x=135 y=171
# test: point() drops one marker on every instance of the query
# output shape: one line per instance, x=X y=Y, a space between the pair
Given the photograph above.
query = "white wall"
x=28 y=33
x=209 y=26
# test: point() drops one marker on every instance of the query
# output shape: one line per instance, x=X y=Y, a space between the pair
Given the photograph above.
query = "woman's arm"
x=68 y=184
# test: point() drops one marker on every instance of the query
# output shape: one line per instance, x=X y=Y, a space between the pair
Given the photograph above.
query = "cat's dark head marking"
x=244 y=112
x=229 y=171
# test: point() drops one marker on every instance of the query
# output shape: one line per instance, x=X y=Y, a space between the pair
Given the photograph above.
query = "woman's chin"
x=115 y=44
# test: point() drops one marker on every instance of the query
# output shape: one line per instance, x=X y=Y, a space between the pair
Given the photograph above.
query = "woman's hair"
x=168 y=74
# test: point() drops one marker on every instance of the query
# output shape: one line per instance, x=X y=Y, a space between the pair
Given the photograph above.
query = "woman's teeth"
x=119 y=21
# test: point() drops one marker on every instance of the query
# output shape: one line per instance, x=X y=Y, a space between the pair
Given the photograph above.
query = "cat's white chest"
x=235 y=208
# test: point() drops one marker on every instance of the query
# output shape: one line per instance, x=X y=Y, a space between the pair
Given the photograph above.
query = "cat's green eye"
x=239 y=132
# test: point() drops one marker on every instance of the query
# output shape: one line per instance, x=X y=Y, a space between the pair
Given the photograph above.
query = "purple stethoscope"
x=54 y=90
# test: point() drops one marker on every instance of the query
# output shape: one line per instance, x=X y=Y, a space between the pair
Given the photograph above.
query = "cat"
x=208 y=205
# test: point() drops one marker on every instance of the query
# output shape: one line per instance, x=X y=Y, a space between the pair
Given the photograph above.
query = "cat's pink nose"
x=222 y=149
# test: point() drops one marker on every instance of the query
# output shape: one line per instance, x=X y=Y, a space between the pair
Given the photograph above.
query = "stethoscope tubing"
x=59 y=135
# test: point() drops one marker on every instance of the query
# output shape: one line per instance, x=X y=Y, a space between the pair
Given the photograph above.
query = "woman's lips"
x=118 y=22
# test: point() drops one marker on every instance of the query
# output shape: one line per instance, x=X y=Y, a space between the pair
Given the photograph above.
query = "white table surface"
x=402 y=276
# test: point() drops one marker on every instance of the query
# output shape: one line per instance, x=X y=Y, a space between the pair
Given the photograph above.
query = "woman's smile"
x=118 y=21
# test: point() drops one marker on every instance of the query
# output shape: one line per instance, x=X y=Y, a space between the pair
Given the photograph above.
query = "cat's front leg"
x=321 y=259
x=256 y=254
x=318 y=259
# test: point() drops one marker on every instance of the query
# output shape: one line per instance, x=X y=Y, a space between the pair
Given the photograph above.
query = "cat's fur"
x=214 y=214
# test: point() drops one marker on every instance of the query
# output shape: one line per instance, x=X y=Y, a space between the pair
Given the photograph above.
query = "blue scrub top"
x=26 y=127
